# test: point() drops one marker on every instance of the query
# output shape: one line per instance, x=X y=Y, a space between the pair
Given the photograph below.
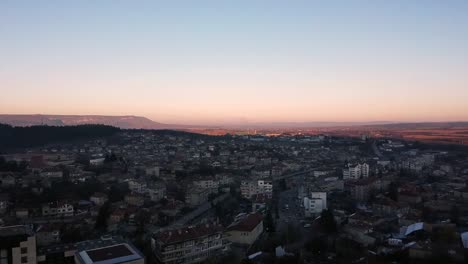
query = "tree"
x=454 y=214
x=316 y=245
x=103 y=215
x=269 y=223
x=327 y=222
x=393 y=191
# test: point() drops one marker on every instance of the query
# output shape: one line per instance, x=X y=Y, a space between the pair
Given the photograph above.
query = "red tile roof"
x=247 y=224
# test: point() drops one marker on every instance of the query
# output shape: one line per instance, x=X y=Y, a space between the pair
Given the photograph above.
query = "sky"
x=222 y=62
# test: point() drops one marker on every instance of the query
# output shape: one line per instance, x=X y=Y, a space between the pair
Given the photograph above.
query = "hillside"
x=125 y=122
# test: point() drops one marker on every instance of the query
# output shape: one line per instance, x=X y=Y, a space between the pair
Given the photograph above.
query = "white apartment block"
x=254 y=187
x=315 y=204
x=356 y=171
x=17 y=245
x=57 y=209
x=137 y=186
x=206 y=184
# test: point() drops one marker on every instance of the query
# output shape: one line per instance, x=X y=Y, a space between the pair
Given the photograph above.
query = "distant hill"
x=125 y=122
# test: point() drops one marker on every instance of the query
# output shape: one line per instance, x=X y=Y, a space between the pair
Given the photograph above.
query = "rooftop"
x=187 y=233
x=15 y=230
x=107 y=250
x=247 y=224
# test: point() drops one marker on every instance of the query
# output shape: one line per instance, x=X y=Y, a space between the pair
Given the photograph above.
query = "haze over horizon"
x=219 y=62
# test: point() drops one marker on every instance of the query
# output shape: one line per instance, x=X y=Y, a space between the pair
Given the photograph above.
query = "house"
x=135 y=199
x=259 y=202
x=196 y=196
x=99 y=198
x=97 y=161
x=117 y=216
x=7 y=180
x=190 y=244
x=47 y=235
x=461 y=192
x=4 y=202
x=57 y=209
x=52 y=173
x=206 y=183
x=21 y=213
x=245 y=230
x=156 y=191
x=137 y=186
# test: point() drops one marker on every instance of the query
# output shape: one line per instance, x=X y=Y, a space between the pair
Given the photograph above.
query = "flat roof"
x=110 y=255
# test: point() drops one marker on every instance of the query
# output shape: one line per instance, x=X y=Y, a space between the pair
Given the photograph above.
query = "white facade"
x=137 y=186
x=356 y=171
x=251 y=188
x=315 y=204
x=206 y=184
x=57 y=209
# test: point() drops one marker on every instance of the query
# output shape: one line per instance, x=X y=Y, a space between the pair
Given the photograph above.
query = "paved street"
x=293 y=215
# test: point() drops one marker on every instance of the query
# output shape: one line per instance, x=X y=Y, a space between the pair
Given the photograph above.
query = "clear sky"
x=236 y=61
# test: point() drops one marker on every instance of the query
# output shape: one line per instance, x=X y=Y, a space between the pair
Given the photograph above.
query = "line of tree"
x=15 y=137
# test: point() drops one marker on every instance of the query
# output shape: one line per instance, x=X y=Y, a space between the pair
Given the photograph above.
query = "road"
x=293 y=216
x=376 y=149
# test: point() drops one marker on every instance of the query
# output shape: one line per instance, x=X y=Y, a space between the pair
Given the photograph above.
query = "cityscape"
x=233 y=132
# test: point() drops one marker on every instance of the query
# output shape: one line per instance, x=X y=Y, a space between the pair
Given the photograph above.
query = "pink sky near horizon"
x=223 y=62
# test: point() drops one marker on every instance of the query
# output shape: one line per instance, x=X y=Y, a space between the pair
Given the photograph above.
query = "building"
x=7 y=180
x=156 y=192
x=315 y=204
x=118 y=253
x=196 y=196
x=52 y=173
x=4 y=202
x=17 y=245
x=135 y=199
x=99 y=198
x=57 y=209
x=105 y=250
x=137 y=186
x=192 y=244
x=356 y=171
x=152 y=171
x=253 y=187
x=206 y=183
x=246 y=229
x=259 y=202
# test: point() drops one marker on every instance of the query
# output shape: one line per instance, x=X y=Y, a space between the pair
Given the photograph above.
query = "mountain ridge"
x=125 y=121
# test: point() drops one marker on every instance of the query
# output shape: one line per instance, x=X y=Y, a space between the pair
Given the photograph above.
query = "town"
x=149 y=196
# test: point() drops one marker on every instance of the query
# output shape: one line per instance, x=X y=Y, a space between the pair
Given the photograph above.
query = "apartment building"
x=187 y=245
x=57 y=209
x=356 y=171
x=206 y=183
x=315 y=204
x=195 y=196
x=246 y=229
x=250 y=188
x=17 y=245
x=119 y=253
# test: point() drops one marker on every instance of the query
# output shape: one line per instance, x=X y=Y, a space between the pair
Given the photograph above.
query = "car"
x=307 y=225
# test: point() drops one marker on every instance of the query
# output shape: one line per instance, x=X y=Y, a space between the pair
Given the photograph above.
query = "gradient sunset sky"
x=218 y=62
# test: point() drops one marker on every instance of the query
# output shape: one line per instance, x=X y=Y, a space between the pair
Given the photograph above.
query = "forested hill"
x=13 y=137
